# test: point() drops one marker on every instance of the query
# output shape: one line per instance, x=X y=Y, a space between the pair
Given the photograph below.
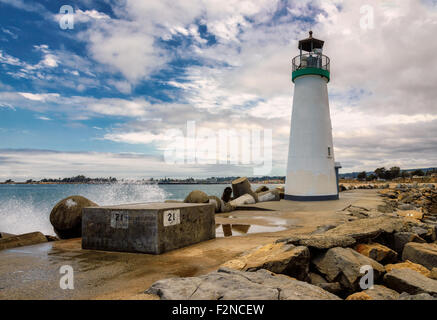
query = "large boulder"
x=433 y=274
x=343 y=265
x=410 y=281
x=421 y=253
x=228 y=284
x=276 y=257
x=377 y=252
x=420 y=296
x=26 y=239
x=197 y=196
x=66 y=216
x=408 y=265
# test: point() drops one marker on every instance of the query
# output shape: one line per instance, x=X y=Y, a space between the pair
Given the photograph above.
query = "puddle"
x=228 y=230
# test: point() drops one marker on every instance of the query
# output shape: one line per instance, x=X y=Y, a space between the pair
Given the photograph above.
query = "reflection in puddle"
x=227 y=230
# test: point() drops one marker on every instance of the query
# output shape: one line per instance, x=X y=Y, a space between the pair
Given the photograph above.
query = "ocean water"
x=26 y=208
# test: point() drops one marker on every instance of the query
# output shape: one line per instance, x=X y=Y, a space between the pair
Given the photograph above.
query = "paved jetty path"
x=32 y=272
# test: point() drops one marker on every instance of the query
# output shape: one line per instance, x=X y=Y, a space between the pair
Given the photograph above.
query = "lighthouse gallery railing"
x=311 y=60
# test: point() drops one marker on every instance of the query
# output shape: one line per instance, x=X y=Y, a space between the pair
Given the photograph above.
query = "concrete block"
x=147 y=228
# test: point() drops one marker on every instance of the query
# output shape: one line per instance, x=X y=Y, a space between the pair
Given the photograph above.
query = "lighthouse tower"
x=312 y=174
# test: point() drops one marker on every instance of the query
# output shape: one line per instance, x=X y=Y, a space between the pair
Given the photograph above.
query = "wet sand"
x=32 y=272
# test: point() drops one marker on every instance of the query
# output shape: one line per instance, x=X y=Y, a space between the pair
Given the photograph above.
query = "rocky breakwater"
x=330 y=263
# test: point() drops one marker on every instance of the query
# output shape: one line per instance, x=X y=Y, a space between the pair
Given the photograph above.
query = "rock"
x=272 y=195
x=315 y=278
x=241 y=186
x=420 y=296
x=228 y=284
x=377 y=252
x=261 y=189
x=408 y=265
x=216 y=202
x=410 y=214
x=51 y=238
x=359 y=296
x=433 y=274
x=281 y=191
x=323 y=229
x=276 y=257
x=227 y=194
x=410 y=281
x=400 y=239
x=366 y=229
x=173 y=201
x=226 y=207
x=332 y=287
x=21 y=240
x=379 y=292
x=406 y=206
x=343 y=265
x=245 y=199
x=6 y=235
x=197 y=196
x=320 y=241
x=421 y=253
x=66 y=216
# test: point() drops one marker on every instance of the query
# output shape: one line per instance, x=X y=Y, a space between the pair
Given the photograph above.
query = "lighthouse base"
x=311 y=198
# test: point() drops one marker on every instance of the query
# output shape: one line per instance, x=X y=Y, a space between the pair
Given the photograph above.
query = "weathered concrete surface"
x=228 y=284
x=147 y=228
x=32 y=272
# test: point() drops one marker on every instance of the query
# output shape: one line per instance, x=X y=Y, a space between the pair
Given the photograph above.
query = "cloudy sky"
x=100 y=98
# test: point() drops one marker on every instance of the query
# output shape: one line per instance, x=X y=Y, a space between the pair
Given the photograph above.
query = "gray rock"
x=334 y=287
x=420 y=296
x=421 y=253
x=315 y=278
x=410 y=281
x=400 y=239
x=365 y=229
x=379 y=292
x=343 y=265
x=228 y=284
x=323 y=229
x=406 y=206
x=320 y=241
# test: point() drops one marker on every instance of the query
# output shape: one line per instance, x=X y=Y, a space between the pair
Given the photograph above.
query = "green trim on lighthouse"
x=314 y=71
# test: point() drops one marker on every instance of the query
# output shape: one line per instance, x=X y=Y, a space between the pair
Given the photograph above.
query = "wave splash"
x=29 y=211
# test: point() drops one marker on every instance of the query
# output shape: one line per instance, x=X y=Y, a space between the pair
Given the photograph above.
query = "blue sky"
x=99 y=99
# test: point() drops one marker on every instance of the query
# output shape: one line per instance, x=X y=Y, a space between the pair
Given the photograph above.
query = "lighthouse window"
x=329 y=151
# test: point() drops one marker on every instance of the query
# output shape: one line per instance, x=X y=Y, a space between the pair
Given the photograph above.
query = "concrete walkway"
x=32 y=272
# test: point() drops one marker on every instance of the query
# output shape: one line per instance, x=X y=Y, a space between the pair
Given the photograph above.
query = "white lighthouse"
x=312 y=174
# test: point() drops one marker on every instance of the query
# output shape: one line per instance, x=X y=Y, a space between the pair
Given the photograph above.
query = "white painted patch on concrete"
x=171 y=217
x=119 y=220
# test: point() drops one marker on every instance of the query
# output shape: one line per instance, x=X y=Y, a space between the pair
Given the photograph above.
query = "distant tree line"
x=393 y=173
